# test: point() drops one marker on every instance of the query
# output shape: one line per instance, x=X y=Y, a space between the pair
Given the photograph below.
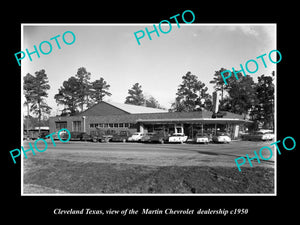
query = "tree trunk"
x=40 y=115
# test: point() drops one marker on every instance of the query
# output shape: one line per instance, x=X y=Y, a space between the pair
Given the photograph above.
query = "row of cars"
x=160 y=137
x=220 y=137
x=163 y=137
x=124 y=136
x=151 y=137
x=180 y=138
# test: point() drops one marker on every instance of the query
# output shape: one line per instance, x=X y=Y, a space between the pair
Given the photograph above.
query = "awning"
x=194 y=121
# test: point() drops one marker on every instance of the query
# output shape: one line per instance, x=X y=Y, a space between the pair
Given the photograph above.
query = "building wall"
x=90 y=124
x=125 y=121
x=54 y=122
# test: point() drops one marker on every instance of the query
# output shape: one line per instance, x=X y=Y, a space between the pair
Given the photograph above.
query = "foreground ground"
x=79 y=167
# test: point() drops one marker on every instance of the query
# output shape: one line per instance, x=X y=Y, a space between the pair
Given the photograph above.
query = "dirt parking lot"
x=85 y=167
x=157 y=154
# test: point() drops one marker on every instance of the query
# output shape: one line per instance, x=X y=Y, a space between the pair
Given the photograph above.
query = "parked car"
x=102 y=136
x=199 y=138
x=178 y=138
x=122 y=136
x=137 y=136
x=160 y=137
x=221 y=137
x=75 y=135
x=86 y=137
x=63 y=135
x=146 y=137
x=261 y=135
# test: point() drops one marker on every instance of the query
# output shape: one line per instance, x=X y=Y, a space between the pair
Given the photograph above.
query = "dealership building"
x=119 y=117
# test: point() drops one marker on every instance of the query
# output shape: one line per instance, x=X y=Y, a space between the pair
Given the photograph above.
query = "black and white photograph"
x=149 y=109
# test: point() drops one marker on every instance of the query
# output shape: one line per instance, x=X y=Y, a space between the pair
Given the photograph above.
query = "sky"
x=112 y=52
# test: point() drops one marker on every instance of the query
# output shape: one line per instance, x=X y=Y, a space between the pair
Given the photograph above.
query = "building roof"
x=134 y=109
x=112 y=108
x=170 y=117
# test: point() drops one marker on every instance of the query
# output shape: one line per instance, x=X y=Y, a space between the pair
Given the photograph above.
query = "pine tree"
x=241 y=95
x=67 y=96
x=35 y=91
x=78 y=92
x=219 y=82
x=263 y=111
x=83 y=78
x=191 y=95
x=135 y=96
x=99 y=89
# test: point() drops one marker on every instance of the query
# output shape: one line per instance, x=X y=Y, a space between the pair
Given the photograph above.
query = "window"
x=116 y=125
x=126 y=124
x=121 y=124
x=178 y=130
x=60 y=125
x=76 y=125
x=111 y=125
x=106 y=125
x=96 y=125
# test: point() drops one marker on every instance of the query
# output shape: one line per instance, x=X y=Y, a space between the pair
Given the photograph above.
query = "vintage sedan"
x=102 y=136
x=261 y=135
x=121 y=137
x=137 y=136
x=160 y=137
x=178 y=138
x=199 y=138
x=221 y=137
x=147 y=137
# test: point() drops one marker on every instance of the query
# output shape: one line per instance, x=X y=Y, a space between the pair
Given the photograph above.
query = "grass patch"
x=37 y=189
x=63 y=176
